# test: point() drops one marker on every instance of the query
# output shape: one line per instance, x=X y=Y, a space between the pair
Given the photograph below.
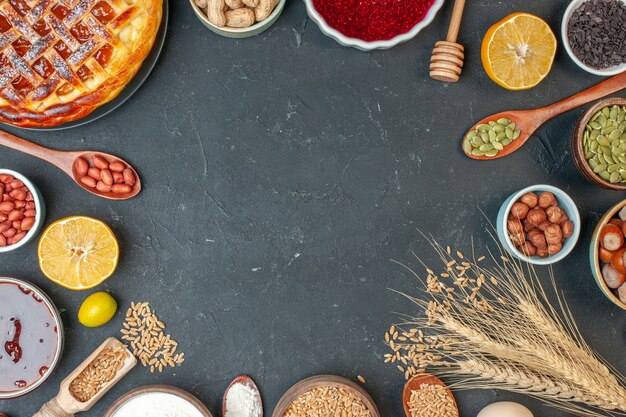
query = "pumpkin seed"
x=487 y=139
x=615 y=178
x=604 y=143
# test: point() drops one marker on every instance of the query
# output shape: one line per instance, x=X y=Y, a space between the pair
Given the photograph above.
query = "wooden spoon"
x=528 y=121
x=248 y=382
x=414 y=384
x=65 y=162
x=65 y=405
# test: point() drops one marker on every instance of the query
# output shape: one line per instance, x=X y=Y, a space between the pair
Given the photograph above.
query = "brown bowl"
x=594 y=255
x=158 y=388
x=578 y=152
x=323 y=381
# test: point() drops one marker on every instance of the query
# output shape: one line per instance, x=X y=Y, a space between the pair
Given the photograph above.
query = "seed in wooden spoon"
x=490 y=138
x=432 y=400
x=115 y=177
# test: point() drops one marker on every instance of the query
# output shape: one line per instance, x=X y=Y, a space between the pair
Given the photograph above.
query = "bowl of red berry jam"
x=31 y=337
x=372 y=24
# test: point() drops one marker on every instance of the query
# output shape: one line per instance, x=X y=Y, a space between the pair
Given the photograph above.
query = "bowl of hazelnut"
x=539 y=224
x=607 y=254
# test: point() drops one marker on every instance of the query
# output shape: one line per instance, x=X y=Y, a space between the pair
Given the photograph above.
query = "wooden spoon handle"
x=58 y=158
x=52 y=409
x=598 y=91
x=455 y=22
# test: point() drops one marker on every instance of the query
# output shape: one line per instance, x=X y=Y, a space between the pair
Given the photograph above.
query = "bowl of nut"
x=599 y=144
x=22 y=210
x=607 y=254
x=539 y=224
x=238 y=18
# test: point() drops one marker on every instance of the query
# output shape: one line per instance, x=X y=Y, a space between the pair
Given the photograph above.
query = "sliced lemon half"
x=78 y=252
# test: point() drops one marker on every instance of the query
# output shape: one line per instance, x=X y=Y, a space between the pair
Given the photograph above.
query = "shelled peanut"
x=537 y=226
x=17 y=210
x=106 y=177
x=236 y=14
x=612 y=256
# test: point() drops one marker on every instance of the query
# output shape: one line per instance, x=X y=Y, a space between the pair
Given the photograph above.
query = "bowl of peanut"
x=238 y=18
x=539 y=225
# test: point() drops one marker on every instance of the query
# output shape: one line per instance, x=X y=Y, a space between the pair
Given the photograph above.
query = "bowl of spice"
x=594 y=35
x=32 y=333
x=238 y=18
x=22 y=210
x=326 y=395
x=607 y=253
x=158 y=401
x=599 y=144
x=370 y=24
x=539 y=224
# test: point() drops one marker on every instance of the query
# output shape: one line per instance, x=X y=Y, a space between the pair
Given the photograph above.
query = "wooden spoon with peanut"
x=70 y=162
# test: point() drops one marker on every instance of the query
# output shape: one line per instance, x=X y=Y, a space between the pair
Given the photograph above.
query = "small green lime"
x=97 y=309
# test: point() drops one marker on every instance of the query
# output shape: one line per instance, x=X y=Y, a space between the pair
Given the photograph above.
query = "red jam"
x=373 y=20
x=28 y=337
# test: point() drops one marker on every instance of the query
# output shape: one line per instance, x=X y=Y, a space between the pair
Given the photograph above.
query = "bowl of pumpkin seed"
x=599 y=144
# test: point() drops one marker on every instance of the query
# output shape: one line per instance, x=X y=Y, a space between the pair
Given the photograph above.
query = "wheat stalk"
x=496 y=328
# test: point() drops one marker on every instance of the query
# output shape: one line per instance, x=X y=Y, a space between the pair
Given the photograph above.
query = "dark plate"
x=132 y=87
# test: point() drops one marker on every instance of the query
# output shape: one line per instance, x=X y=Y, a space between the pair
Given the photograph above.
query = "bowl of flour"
x=158 y=401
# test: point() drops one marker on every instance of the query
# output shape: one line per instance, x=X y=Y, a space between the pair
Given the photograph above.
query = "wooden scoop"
x=414 y=384
x=65 y=162
x=528 y=121
x=65 y=405
x=246 y=381
x=446 y=63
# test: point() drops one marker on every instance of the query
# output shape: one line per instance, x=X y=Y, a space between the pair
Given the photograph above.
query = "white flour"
x=157 y=404
x=241 y=402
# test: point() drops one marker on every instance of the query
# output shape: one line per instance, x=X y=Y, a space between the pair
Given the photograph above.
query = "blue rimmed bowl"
x=565 y=202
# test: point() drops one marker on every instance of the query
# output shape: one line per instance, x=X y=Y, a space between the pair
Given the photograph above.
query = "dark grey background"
x=282 y=173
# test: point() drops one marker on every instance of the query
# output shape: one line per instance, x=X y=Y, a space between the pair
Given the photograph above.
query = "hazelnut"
x=543 y=226
x=530 y=199
x=517 y=238
x=621 y=291
x=568 y=229
x=554 y=214
x=527 y=249
x=528 y=226
x=538 y=239
x=547 y=199
x=519 y=211
x=564 y=217
x=514 y=227
x=555 y=248
x=553 y=234
x=542 y=252
x=537 y=216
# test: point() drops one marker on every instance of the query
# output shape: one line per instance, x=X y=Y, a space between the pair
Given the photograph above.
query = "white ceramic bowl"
x=365 y=45
x=250 y=31
x=566 y=17
x=565 y=202
x=39 y=206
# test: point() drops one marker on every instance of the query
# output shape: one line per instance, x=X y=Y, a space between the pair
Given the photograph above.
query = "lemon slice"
x=78 y=253
x=518 y=52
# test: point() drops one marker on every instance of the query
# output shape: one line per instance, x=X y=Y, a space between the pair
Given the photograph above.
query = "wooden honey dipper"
x=446 y=64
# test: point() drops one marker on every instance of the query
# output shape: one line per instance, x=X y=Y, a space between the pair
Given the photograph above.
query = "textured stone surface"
x=282 y=173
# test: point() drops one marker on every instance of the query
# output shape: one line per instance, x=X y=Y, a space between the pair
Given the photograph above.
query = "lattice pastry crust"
x=61 y=59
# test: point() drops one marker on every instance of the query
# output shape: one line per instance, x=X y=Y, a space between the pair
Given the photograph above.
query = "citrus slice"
x=518 y=52
x=78 y=253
